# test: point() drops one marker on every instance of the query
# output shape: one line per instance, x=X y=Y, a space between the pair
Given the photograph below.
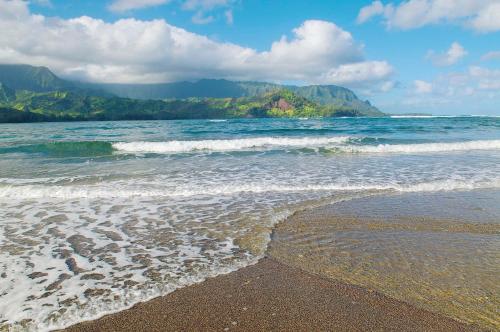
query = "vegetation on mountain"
x=26 y=77
x=38 y=95
x=6 y=94
x=321 y=94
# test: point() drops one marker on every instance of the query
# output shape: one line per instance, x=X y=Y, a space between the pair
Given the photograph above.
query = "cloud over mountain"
x=131 y=50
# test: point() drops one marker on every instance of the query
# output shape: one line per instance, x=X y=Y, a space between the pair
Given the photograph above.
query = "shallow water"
x=437 y=251
x=97 y=216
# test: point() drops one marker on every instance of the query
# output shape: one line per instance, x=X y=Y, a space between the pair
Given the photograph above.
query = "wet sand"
x=437 y=251
x=271 y=296
x=434 y=256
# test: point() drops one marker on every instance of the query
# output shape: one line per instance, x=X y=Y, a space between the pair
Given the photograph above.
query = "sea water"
x=438 y=251
x=97 y=216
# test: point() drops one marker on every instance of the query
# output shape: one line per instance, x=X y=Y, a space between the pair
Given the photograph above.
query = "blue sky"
x=436 y=56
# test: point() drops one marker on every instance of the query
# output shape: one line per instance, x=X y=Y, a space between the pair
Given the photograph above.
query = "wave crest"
x=341 y=144
x=91 y=192
x=221 y=145
x=422 y=148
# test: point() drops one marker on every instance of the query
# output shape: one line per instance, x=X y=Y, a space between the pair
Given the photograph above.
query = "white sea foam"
x=424 y=116
x=94 y=192
x=442 y=116
x=423 y=148
x=226 y=145
x=340 y=144
x=178 y=243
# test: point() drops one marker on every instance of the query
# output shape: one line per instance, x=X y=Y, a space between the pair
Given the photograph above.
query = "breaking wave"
x=334 y=144
x=423 y=148
x=337 y=144
x=93 y=192
x=221 y=145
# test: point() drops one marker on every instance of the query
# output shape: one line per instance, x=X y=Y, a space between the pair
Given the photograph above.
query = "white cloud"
x=493 y=55
x=229 y=16
x=205 y=4
x=475 y=82
x=488 y=19
x=367 y=12
x=200 y=18
x=368 y=72
x=204 y=7
x=422 y=86
x=127 y=5
x=473 y=91
x=131 y=50
x=486 y=79
x=448 y=58
x=480 y=15
x=387 y=86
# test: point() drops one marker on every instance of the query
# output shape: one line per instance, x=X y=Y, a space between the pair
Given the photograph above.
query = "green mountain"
x=10 y=115
x=73 y=106
x=321 y=94
x=35 y=94
x=41 y=79
x=337 y=96
x=26 y=77
x=6 y=94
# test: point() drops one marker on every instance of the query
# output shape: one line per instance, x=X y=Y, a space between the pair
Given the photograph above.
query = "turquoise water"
x=97 y=216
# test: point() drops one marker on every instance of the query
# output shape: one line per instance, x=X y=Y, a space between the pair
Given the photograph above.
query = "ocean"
x=97 y=216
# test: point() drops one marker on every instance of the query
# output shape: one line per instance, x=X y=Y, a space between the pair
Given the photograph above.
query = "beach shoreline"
x=282 y=293
x=272 y=296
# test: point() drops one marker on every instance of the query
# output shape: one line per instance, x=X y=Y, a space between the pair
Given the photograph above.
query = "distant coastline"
x=35 y=94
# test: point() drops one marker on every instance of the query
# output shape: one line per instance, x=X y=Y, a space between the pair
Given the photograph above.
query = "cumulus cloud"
x=131 y=50
x=448 y=58
x=204 y=7
x=486 y=79
x=475 y=81
x=127 y=5
x=422 y=86
x=367 y=72
x=474 y=90
x=201 y=18
x=367 y=12
x=488 y=19
x=480 y=15
x=493 y=55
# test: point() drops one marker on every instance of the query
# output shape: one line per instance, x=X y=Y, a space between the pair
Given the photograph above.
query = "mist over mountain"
x=36 y=79
x=213 y=88
x=37 y=90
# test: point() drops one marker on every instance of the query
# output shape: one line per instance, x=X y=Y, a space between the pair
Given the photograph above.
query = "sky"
x=424 y=56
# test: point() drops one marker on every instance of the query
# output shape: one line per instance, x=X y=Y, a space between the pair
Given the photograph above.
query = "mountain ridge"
x=32 y=78
x=221 y=88
x=38 y=91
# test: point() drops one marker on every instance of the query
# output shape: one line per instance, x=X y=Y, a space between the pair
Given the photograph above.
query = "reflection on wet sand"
x=439 y=251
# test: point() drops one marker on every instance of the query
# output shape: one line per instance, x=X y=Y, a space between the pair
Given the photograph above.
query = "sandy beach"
x=347 y=267
x=436 y=251
x=271 y=296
